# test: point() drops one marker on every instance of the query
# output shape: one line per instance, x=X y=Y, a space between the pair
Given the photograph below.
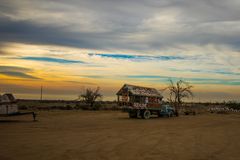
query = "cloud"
x=216 y=71
x=92 y=76
x=198 y=38
x=165 y=79
x=137 y=57
x=13 y=69
x=122 y=25
x=84 y=83
x=16 y=71
x=50 y=59
x=2 y=53
x=19 y=75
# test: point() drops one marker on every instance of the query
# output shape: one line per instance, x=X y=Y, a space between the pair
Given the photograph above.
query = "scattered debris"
x=222 y=110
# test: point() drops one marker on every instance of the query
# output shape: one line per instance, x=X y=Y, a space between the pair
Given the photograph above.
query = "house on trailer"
x=139 y=97
x=8 y=104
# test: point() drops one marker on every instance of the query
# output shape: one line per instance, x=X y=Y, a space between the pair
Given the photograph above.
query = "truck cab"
x=166 y=110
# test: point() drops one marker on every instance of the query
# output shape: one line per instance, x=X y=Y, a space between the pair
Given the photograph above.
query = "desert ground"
x=111 y=135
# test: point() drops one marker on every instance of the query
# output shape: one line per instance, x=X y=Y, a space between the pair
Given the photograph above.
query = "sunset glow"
x=67 y=46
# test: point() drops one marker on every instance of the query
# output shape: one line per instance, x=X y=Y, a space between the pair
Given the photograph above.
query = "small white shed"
x=8 y=104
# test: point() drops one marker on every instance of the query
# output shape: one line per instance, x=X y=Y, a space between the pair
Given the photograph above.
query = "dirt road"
x=108 y=135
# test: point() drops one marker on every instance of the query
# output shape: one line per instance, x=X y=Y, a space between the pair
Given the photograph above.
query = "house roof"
x=138 y=90
x=8 y=97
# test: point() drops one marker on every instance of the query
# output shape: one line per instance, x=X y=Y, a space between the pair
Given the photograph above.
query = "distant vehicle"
x=142 y=102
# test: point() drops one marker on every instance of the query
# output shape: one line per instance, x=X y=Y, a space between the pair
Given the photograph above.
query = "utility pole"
x=41 y=93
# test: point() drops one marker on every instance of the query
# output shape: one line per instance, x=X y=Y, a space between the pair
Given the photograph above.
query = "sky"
x=67 y=46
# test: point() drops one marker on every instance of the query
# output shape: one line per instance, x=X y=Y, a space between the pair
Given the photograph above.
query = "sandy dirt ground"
x=111 y=135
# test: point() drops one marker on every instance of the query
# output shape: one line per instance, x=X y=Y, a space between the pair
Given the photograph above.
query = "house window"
x=137 y=99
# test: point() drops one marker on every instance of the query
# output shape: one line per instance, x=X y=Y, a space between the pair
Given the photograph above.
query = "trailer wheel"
x=146 y=114
x=138 y=113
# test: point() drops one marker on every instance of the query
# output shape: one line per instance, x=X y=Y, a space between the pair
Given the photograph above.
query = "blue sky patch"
x=218 y=71
x=50 y=59
x=166 y=79
x=137 y=57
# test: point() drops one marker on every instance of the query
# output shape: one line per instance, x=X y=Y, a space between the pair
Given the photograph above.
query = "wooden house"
x=8 y=104
x=139 y=97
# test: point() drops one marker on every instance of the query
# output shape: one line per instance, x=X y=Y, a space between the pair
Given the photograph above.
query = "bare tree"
x=90 y=96
x=179 y=91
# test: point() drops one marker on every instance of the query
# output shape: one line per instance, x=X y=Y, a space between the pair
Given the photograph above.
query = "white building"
x=8 y=104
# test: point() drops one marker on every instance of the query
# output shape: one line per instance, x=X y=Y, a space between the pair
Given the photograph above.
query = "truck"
x=142 y=102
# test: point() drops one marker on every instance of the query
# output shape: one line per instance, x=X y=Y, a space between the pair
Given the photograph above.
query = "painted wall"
x=8 y=108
